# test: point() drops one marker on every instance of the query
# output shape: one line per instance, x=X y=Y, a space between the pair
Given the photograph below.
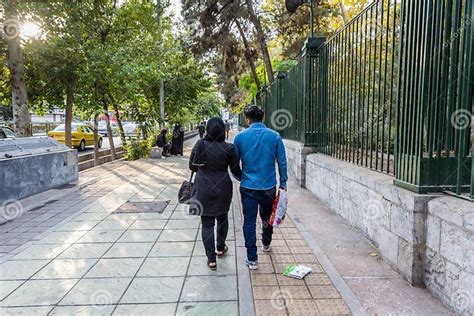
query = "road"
x=105 y=145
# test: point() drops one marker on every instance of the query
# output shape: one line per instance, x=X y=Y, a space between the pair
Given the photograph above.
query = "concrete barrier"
x=34 y=164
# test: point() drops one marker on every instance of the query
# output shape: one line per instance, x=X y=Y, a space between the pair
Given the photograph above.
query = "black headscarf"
x=215 y=130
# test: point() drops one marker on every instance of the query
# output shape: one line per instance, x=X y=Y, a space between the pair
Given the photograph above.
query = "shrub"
x=137 y=149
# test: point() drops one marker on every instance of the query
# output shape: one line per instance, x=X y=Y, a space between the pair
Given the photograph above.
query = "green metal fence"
x=391 y=91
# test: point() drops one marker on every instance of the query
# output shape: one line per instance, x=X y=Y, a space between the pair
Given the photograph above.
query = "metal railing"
x=391 y=91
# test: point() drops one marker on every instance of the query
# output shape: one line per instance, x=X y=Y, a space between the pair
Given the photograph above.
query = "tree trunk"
x=96 y=123
x=248 y=54
x=109 y=133
x=68 y=121
x=261 y=39
x=343 y=11
x=96 y=139
x=21 y=114
x=119 y=121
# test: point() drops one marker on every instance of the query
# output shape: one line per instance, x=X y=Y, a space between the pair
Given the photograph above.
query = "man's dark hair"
x=254 y=113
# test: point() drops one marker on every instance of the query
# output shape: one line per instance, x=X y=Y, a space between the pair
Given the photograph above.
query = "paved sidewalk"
x=97 y=262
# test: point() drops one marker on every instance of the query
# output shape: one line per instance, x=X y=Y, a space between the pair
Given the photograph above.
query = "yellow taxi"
x=81 y=134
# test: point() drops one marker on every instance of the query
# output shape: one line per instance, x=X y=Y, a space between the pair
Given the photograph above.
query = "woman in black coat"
x=211 y=158
x=177 y=142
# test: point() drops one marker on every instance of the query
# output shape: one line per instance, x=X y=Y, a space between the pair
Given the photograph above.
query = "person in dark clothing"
x=178 y=140
x=161 y=142
x=201 y=130
x=212 y=191
x=227 y=129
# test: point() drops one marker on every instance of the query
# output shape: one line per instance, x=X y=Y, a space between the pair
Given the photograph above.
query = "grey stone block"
x=457 y=246
x=433 y=232
x=388 y=245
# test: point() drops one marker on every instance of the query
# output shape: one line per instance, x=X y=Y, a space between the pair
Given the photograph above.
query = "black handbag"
x=184 y=194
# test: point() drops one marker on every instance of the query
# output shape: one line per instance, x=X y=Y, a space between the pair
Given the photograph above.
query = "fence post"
x=313 y=124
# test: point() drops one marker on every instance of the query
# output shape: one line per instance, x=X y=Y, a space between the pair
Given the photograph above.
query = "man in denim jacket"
x=259 y=147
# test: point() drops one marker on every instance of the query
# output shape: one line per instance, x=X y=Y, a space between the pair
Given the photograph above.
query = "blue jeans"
x=251 y=200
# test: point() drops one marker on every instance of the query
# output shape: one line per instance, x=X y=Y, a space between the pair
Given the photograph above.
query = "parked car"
x=82 y=135
x=6 y=132
x=102 y=128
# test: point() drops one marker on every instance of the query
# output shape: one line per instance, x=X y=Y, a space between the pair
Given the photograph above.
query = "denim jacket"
x=259 y=147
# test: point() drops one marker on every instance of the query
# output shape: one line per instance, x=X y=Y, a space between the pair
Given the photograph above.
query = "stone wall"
x=428 y=239
x=391 y=217
x=296 y=154
x=449 y=253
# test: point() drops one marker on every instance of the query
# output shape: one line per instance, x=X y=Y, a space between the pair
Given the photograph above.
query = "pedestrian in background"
x=211 y=158
x=259 y=147
x=177 y=143
x=201 y=130
x=227 y=129
x=162 y=143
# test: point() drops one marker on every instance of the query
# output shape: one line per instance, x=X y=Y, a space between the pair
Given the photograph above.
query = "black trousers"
x=208 y=239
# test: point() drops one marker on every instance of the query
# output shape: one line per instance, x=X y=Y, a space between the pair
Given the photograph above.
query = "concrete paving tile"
x=182 y=224
x=317 y=279
x=284 y=280
x=86 y=310
x=181 y=214
x=149 y=224
x=106 y=236
x=20 y=270
x=230 y=235
x=165 y=266
x=302 y=308
x=27 y=311
x=172 y=249
x=96 y=292
x=301 y=250
x=90 y=217
x=264 y=280
x=154 y=290
x=39 y=292
x=178 y=235
x=265 y=292
x=129 y=250
x=269 y=308
x=6 y=287
x=225 y=266
x=296 y=292
x=323 y=292
x=155 y=216
x=305 y=258
x=77 y=226
x=140 y=236
x=146 y=309
x=113 y=225
x=65 y=269
x=280 y=250
x=41 y=252
x=8 y=249
x=332 y=307
x=208 y=308
x=278 y=243
x=287 y=258
x=85 y=251
x=199 y=249
x=297 y=236
x=264 y=268
x=115 y=268
x=61 y=237
x=209 y=288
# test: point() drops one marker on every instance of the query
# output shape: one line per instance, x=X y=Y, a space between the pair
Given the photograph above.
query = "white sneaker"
x=266 y=248
x=253 y=265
